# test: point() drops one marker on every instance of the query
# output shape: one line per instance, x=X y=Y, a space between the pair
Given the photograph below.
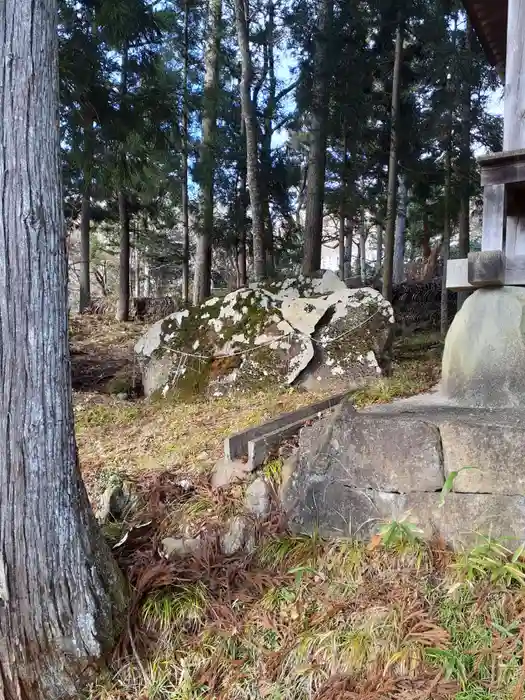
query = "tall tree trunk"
x=85 y=279
x=124 y=253
x=123 y=299
x=399 y=238
x=379 y=248
x=266 y=142
x=465 y=153
x=137 y=263
x=203 y=261
x=315 y=183
x=185 y=145
x=241 y=226
x=362 y=251
x=342 y=205
x=60 y=590
x=348 y=253
x=446 y=244
x=392 y=165
x=250 y=126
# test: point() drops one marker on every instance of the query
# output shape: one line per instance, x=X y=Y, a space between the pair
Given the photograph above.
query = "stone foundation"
x=353 y=472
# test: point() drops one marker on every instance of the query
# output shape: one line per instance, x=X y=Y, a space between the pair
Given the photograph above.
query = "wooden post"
x=514 y=110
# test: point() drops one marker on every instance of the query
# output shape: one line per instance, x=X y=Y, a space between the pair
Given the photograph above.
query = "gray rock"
x=173 y=547
x=122 y=396
x=257 y=498
x=227 y=472
x=496 y=453
x=337 y=512
x=237 y=537
x=484 y=356
x=465 y=517
x=350 y=343
x=369 y=452
x=113 y=503
x=304 y=314
x=244 y=342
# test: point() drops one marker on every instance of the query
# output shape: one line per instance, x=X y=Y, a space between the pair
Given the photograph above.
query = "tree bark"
x=266 y=141
x=379 y=248
x=123 y=300
x=250 y=127
x=60 y=590
x=399 y=237
x=185 y=143
x=362 y=252
x=348 y=253
x=124 y=267
x=342 y=205
x=465 y=153
x=85 y=280
x=315 y=183
x=241 y=226
x=392 y=166
x=203 y=262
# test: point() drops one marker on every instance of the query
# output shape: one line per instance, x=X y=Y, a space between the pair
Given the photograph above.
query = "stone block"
x=496 y=453
x=486 y=268
x=484 y=357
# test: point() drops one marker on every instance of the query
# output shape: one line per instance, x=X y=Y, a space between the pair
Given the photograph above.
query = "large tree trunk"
x=185 y=143
x=392 y=166
x=60 y=590
x=242 y=197
x=123 y=299
x=266 y=141
x=465 y=153
x=203 y=261
x=342 y=205
x=315 y=185
x=399 y=238
x=250 y=126
x=124 y=267
x=348 y=253
x=85 y=280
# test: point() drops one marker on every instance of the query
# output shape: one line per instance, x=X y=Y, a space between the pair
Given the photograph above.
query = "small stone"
x=226 y=472
x=113 y=503
x=257 y=498
x=122 y=396
x=185 y=485
x=235 y=538
x=172 y=547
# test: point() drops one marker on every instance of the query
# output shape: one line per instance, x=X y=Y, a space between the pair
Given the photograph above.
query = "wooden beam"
x=458 y=276
x=502 y=168
x=494 y=217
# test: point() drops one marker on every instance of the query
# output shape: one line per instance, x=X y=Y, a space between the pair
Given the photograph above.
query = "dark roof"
x=489 y=20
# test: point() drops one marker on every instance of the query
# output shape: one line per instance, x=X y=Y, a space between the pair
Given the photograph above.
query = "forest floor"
x=299 y=618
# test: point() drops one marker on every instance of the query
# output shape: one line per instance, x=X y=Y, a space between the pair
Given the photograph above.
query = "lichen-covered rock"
x=350 y=339
x=302 y=286
x=254 y=338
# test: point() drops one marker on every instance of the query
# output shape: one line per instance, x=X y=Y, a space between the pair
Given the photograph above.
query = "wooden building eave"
x=489 y=21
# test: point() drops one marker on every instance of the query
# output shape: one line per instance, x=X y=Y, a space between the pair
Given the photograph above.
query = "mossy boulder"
x=251 y=338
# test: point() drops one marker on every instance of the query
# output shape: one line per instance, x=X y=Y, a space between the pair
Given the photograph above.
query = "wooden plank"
x=494 y=218
x=236 y=446
x=504 y=173
x=515 y=235
x=457 y=273
x=515 y=270
x=514 y=109
x=486 y=269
